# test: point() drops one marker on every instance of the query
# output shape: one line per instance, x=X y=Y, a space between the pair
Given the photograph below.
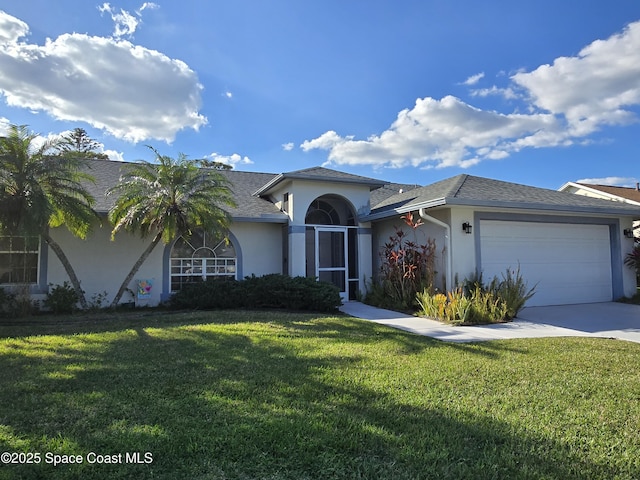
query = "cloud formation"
x=613 y=181
x=131 y=92
x=125 y=23
x=234 y=160
x=565 y=103
x=473 y=79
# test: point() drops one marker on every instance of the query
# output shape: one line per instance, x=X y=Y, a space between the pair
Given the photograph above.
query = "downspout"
x=447 y=236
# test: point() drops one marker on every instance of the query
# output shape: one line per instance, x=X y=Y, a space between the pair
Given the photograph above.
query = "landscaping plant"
x=407 y=267
x=268 y=291
x=61 y=299
x=632 y=260
x=475 y=303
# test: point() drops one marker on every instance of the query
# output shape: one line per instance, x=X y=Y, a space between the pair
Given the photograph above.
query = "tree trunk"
x=68 y=268
x=134 y=269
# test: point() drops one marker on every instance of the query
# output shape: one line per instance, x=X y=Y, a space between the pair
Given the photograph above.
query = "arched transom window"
x=199 y=257
x=329 y=210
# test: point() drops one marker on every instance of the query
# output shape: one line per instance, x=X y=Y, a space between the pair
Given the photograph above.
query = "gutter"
x=447 y=235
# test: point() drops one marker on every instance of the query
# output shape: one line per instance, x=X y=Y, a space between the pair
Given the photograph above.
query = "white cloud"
x=4 y=126
x=613 y=181
x=132 y=92
x=147 y=5
x=287 y=147
x=440 y=133
x=508 y=93
x=234 y=160
x=125 y=23
x=11 y=29
x=565 y=103
x=593 y=88
x=228 y=94
x=326 y=141
x=114 y=155
x=473 y=79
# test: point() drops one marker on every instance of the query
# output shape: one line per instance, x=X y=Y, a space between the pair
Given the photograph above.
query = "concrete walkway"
x=608 y=320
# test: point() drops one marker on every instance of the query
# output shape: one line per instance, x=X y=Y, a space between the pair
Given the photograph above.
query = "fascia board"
x=271 y=183
x=619 y=212
x=262 y=219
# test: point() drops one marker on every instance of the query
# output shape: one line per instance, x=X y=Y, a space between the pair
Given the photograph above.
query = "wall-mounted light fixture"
x=628 y=232
x=466 y=228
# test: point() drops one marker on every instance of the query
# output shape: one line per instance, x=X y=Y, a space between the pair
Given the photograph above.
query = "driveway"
x=608 y=320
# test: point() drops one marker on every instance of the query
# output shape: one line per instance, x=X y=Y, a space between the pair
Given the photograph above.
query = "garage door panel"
x=571 y=263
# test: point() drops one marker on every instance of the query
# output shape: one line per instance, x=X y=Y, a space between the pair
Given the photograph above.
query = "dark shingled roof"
x=320 y=173
x=386 y=199
x=107 y=173
x=478 y=191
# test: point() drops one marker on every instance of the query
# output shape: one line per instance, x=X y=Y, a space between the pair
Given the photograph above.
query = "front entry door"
x=331 y=257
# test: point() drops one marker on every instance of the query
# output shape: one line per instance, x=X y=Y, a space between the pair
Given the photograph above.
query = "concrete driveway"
x=608 y=320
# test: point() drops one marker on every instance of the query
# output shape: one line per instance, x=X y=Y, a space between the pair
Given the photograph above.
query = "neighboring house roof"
x=319 y=174
x=615 y=193
x=485 y=192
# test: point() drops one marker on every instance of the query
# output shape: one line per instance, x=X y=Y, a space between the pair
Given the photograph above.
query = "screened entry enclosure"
x=200 y=257
x=331 y=244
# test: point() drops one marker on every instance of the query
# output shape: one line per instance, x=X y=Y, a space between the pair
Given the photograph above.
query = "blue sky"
x=539 y=93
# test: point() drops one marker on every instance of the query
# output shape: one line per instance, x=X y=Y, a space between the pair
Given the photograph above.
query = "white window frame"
x=184 y=270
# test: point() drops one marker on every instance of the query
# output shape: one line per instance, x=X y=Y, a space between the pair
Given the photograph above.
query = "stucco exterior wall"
x=463 y=247
x=302 y=193
x=261 y=248
x=102 y=264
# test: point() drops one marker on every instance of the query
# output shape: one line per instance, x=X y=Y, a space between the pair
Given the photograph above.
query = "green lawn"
x=243 y=395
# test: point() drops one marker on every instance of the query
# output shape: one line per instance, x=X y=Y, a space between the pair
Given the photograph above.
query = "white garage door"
x=570 y=262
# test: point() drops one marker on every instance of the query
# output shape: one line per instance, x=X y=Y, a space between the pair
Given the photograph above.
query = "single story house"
x=332 y=225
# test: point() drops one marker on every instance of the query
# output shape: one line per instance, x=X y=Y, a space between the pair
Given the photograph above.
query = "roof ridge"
x=460 y=182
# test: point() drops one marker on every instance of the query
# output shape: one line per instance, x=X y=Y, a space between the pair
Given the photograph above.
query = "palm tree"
x=166 y=200
x=40 y=188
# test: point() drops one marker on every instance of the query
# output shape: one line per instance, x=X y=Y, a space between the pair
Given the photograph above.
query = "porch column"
x=365 y=257
x=297 y=266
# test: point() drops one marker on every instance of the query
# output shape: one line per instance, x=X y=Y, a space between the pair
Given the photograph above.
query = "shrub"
x=486 y=307
x=513 y=290
x=474 y=303
x=407 y=268
x=632 y=260
x=61 y=298
x=17 y=302
x=268 y=291
x=210 y=294
x=8 y=304
x=98 y=301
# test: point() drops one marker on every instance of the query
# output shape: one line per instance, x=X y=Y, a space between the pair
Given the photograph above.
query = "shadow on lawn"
x=219 y=404
x=297 y=323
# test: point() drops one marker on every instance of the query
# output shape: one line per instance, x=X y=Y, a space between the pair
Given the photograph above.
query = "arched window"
x=199 y=257
x=329 y=211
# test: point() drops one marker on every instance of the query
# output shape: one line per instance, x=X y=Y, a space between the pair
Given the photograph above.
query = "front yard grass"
x=273 y=395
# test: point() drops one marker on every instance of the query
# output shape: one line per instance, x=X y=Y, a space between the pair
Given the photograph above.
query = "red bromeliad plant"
x=407 y=266
x=632 y=259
